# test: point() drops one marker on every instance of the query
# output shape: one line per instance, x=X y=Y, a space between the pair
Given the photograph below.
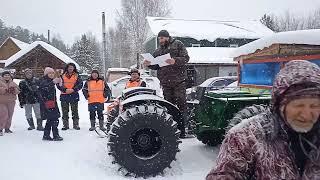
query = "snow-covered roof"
x=54 y=51
x=209 y=29
x=19 y=43
x=118 y=69
x=308 y=37
x=210 y=55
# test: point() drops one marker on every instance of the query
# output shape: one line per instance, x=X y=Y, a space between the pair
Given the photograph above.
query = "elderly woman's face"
x=302 y=114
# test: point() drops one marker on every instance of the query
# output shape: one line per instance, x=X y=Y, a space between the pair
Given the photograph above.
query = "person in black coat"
x=29 y=99
x=51 y=111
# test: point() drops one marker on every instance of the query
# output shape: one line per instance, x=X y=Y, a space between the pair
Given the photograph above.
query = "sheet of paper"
x=149 y=57
x=160 y=60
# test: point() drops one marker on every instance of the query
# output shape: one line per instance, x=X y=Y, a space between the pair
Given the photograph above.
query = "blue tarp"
x=261 y=74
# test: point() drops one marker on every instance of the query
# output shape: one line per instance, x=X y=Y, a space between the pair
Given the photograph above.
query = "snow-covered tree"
x=131 y=29
x=86 y=52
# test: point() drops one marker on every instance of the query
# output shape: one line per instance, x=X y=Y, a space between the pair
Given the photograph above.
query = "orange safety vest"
x=69 y=83
x=96 y=91
x=131 y=84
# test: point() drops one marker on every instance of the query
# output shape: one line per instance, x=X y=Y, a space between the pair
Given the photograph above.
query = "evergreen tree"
x=86 y=53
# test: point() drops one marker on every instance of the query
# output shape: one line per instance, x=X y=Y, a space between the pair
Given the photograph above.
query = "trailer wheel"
x=211 y=138
x=246 y=113
x=144 y=140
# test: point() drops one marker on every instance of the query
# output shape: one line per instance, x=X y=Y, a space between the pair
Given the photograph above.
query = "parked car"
x=211 y=84
x=118 y=85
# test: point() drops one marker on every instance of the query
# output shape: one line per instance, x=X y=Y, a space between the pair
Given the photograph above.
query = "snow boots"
x=39 y=125
x=101 y=124
x=47 y=138
x=65 y=125
x=76 y=124
x=31 y=124
x=1 y=132
x=8 y=131
x=93 y=125
x=57 y=138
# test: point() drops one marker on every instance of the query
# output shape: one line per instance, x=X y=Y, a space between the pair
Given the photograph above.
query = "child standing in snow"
x=8 y=96
x=96 y=90
x=51 y=111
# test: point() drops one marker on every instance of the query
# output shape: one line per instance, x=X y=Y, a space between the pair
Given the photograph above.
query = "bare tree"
x=313 y=20
x=291 y=22
x=131 y=30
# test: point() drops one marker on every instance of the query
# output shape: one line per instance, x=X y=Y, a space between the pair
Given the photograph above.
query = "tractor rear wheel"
x=144 y=140
x=246 y=113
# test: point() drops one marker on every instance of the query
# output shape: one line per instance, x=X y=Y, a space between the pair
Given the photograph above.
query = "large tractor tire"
x=144 y=140
x=211 y=138
x=112 y=115
x=246 y=113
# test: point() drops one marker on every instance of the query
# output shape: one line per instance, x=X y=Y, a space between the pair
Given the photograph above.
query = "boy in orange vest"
x=135 y=80
x=96 y=91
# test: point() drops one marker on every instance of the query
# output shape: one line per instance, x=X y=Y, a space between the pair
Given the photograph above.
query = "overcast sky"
x=70 y=18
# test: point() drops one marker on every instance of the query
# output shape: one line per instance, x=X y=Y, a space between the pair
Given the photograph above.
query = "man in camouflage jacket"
x=173 y=77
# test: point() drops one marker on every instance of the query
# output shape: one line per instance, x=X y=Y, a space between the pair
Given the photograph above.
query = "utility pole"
x=48 y=36
x=106 y=63
x=138 y=61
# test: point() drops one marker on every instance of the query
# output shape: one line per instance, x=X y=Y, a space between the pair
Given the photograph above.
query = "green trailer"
x=214 y=110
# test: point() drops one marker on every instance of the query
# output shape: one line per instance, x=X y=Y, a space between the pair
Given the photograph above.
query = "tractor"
x=214 y=112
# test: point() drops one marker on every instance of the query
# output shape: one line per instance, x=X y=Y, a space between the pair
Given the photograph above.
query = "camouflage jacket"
x=173 y=74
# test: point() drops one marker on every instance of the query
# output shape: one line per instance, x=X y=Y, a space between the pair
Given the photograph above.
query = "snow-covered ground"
x=83 y=156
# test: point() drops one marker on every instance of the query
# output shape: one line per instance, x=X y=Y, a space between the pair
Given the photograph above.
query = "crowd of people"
x=40 y=96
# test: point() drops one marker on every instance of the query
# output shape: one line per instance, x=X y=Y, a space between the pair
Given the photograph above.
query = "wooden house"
x=10 y=47
x=37 y=56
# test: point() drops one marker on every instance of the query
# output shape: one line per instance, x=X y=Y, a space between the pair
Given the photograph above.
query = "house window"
x=195 y=45
x=234 y=45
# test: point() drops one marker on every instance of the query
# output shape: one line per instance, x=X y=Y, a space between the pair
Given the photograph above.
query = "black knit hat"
x=163 y=33
x=95 y=71
x=134 y=71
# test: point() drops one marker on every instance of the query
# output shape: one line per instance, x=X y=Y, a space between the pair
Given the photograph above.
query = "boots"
x=101 y=124
x=31 y=124
x=76 y=124
x=57 y=138
x=39 y=125
x=8 y=131
x=65 y=125
x=93 y=125
x=47 y=138
x=1 y=132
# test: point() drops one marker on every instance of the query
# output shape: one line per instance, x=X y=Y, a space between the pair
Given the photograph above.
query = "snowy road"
x=82 y=156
